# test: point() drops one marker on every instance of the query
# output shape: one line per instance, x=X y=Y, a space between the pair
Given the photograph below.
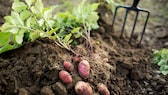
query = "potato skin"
x=102 y=89
x=84 y=69
x=83 y=88
x=68 y=66
x=65 y=77
x=76 y=59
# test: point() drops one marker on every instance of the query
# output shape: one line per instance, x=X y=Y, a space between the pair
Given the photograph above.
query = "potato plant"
x=161 y=59
x=30 y=20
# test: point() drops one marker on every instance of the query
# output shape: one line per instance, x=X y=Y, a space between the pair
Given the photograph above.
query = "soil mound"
x=125 y=69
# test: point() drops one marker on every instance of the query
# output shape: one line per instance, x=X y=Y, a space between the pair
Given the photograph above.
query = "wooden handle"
x=135 y=3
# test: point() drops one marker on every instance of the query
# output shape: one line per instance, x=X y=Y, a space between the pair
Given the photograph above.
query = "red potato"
x=84 y=69
x=68 y=66
x=76 y=59
x=83 y=88
x=65 y=77
x=102 y=89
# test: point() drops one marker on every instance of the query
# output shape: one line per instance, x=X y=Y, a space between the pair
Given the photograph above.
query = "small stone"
x=23 y=91
x=126 y=65
x=157 y=72
x=102 y=30
x=105 y=60
x=146 y=83
x=166 y=44
x=151 y=93
x=148 y=76
x=33 y=89
x=136 y=75
x=4 y=63
x=155 y=78
x=137 y=85
x=59 y=88
x=161 y=81
x=149 y=89
x=46 y=90
x=166 y=89
x=154 y=84
x=159 y=87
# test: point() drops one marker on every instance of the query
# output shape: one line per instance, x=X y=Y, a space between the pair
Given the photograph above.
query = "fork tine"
x=148 y=14
x=115 y=13
x=125 y=18
x=132 y=33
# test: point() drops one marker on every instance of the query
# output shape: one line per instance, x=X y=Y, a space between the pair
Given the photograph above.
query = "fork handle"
x=135 y=3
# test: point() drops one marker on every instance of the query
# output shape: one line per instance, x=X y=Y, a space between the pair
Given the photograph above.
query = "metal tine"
x=125 y=19
x=148 y=14
x=137 y=10
x=132 y=33
x=115 y=13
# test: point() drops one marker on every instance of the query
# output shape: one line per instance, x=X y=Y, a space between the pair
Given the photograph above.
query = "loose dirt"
x=33 y=69
x=126 y=70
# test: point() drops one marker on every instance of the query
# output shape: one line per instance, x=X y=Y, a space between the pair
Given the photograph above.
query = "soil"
x=125 y=69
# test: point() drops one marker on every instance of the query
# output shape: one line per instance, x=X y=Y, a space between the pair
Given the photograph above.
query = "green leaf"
x=75 y=30
x=4 y=38
x=34 y=35
x=6 y=48
x=94 y=6
x=38 y=8
x=161 y=59
x=52 y=31
x=70 y=41
x=28 y=22
x=14 y=30
x=67 y=38
x=47 y=12
x=78 y=35
x=19 y=37
x=25 y=14
x=10 y=20
x=162 y=62
x=18 y=6
x=29 y=2
x=41 y=22
x=164 y=69
x=16 y=17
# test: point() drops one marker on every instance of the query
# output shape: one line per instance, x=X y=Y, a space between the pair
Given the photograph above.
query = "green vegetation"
x=110 y=4
x=161 y=59
x=30 y=20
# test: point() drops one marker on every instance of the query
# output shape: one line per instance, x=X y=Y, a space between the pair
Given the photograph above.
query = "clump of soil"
x=5 y=9
x=125 y=69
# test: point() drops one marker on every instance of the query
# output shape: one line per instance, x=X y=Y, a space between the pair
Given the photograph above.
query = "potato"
x=76 y=59
x=84 y=69
x=65 y=77
x=102 y=89
x=83 y=88
x=68 y=66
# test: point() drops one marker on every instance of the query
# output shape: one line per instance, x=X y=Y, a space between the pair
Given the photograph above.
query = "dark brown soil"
x=33 y=69
x=125 y=69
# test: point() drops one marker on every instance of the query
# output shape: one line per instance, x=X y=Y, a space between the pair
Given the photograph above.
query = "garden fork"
x=137 y=10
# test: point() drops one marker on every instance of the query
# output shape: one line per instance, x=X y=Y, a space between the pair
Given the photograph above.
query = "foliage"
x=110 y=4
x=161 y=59
x=30 y=20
